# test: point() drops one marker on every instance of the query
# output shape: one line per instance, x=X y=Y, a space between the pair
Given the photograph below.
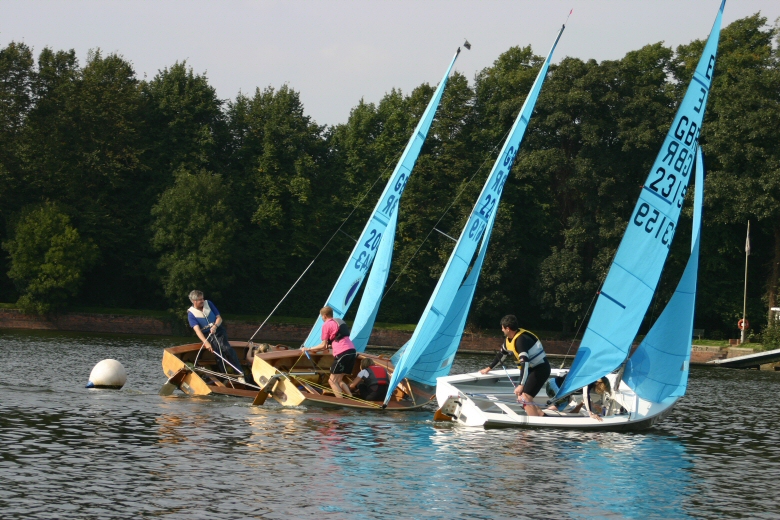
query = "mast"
x=743 y=324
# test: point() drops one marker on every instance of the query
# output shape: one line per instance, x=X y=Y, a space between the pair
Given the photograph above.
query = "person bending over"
x=335 y=334
x=529 y=355
x=372 y=381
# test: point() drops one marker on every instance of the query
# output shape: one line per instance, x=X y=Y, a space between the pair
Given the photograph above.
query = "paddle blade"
x=174 y=382
x=260 y=398
x=167 y=389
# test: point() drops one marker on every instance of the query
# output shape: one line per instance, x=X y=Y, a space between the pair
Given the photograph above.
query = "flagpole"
x=743 y=331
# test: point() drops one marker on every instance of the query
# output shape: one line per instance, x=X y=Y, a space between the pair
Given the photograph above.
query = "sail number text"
x=370 y=245
x=647 y=218
x=488 y=204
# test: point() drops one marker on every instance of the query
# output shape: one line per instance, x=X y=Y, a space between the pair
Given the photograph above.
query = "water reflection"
x=68 y=452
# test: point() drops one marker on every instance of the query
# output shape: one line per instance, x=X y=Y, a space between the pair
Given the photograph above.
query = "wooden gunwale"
x=174 y=359
x=295 y=390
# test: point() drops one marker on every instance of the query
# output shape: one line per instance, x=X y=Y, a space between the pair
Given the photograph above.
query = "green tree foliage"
x=82 y=146
x=194 y=228
x=590 y=146
x=282 y=193
x=743 y=156
x=185 y=123
x=16 y=98
x=180 y=189
x=49 y=259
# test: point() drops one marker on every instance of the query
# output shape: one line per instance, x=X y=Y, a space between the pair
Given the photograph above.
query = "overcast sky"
x=336 y=52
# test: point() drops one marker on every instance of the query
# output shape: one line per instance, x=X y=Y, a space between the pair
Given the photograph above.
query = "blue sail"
x=351 y=277
x=375 y=285
x=633 y=276
x=436 y=359
x=438 y=307
x=659 y=367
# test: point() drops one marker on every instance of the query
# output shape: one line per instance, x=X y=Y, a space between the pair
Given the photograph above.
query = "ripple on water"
x=68 y=452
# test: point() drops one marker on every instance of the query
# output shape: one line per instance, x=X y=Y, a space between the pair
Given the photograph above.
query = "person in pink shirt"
x=335 y=334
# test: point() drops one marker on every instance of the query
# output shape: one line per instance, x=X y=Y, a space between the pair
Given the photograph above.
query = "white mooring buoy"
x=109 y=373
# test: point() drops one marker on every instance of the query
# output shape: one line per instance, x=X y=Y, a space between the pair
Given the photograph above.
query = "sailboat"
x=430 y=351
x=644 y=387
x=294 y=377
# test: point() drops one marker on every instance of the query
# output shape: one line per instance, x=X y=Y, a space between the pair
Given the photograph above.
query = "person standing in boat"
x=529 y=354
x=372 y=381
x=204 y=316
x=335 y=334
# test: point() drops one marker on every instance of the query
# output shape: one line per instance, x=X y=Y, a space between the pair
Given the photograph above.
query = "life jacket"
x=205 y=317
x=535 y=353
x=380 y=375
x=344 y=330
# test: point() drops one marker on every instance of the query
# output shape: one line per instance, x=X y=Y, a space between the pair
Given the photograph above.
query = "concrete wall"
x=121 y=324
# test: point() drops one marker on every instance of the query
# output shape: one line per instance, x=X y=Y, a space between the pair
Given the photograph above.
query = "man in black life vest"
x=529 y=355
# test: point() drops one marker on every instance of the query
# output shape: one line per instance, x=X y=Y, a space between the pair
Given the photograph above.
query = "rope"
x=323 y=249
x=580 y=327
x=225 y=376
x=290 y=376
x=443 y=215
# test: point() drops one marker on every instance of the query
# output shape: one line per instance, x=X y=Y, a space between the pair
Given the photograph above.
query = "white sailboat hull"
x=488 y=401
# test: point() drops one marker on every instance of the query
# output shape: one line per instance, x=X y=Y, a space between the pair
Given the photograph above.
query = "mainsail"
x=633 y=276
x=659 y=367
x=376 y=231
x=439 y=317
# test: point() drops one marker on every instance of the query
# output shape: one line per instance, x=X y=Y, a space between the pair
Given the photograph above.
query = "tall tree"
x=48 y=259
x=17 y=76
x=282 y=194
x=743 y=157
x=193 y=230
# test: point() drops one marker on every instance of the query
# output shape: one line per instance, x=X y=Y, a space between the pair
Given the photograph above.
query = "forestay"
x=633 y=276
x=659 y=367
x=436 y=359
x=376 y=230
x=436 y=318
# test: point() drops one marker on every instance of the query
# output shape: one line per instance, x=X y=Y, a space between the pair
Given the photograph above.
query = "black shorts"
x=537 y=377
x=344 y=362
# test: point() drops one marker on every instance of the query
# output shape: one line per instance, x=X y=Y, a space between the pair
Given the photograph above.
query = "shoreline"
x=471 y=343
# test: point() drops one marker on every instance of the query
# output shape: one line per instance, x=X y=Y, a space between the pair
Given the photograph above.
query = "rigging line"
x=343 y=395
x=403 y=270
x=601 y=286
x=595 y=295
x=325 y=246
x=229 y=377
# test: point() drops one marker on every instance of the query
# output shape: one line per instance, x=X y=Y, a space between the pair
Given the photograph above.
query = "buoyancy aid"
x=380 y=375
x=535 y=353
x=343 y=331
x=205 y=317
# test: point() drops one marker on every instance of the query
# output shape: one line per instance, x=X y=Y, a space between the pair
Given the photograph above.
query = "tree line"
x=116 y=191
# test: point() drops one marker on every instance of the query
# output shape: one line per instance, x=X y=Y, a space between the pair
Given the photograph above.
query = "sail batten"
x=438 y=318
x=376 y=230
x=633 y=277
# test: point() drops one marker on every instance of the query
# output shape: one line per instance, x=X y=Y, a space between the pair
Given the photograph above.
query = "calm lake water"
x=69 y=452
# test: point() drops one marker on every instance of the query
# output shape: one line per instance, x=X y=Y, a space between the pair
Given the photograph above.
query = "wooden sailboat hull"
x=293 y=379
x=488 y=401
x=197 y=383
